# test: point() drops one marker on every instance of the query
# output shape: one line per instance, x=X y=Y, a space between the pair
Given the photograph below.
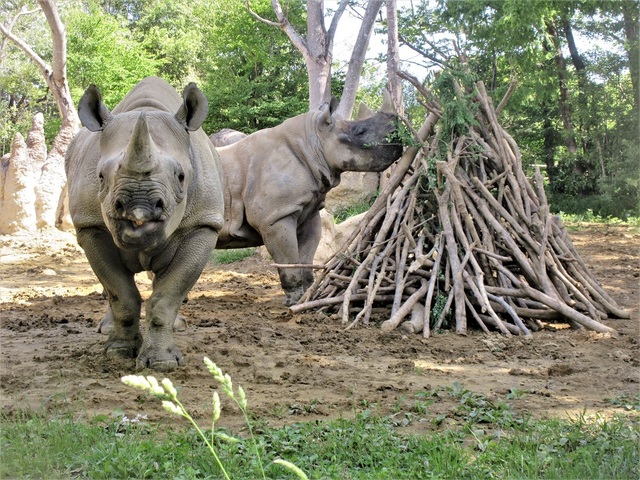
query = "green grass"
x=223 y=257
x=351 y=210
x=477 y=438
x=589 y=217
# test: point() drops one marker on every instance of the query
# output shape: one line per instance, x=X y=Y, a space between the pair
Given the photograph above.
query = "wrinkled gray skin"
x=225 y=137
x=145 y=195
x=276 y=181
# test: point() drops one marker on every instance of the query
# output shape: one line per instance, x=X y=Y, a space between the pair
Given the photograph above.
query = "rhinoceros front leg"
x=123 y=314
x=282 y=244
x=309 y=235
x=170 y=287
x=105 y=326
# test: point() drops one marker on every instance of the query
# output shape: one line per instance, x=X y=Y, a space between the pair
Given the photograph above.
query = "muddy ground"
x=303 y=367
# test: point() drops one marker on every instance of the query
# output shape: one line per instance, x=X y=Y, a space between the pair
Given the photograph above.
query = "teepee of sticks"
x=460 y=235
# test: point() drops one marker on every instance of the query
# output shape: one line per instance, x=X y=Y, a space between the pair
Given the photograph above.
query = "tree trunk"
x=319 y=55
x=564 y=103
x=632 y=46
x=549 y=144
x=393 y=55
x=578 y=63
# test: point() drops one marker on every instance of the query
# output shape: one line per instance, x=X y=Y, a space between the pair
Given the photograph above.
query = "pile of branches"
x=459 y=234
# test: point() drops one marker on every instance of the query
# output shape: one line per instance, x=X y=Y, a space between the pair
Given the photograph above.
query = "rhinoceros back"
x=150 y=93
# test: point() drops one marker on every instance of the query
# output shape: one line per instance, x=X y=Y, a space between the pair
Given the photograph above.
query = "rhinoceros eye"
x=359 y=129
x=180 y=175
x=101 y=177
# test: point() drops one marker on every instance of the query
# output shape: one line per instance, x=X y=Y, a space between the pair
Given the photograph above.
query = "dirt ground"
x=303 y=367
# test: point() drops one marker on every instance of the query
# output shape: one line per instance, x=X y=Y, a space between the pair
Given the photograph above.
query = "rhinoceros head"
x=367 y=144
x=144 y=170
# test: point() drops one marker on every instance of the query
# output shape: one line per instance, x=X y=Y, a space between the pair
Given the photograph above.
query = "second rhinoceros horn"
x=388 y=106
x=139 y=156
x=387 y=103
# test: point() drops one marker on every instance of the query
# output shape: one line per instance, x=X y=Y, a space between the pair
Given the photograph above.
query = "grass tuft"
x=224 y=257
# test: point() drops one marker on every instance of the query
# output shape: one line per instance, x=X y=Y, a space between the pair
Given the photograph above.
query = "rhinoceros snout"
x=139 y=212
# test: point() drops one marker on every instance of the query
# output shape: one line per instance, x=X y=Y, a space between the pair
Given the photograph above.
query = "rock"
x=352 y=188
x=334 y=236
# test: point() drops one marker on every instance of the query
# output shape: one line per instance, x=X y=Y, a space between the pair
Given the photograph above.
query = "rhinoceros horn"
x=364 y=112
x=139 y=157
x=387 y=103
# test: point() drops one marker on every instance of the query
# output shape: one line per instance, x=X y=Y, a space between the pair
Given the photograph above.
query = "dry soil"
x=302 y=367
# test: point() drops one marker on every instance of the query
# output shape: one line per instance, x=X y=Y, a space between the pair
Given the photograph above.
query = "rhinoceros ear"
x=92 y=112
x=194 y=109
x=327 y=109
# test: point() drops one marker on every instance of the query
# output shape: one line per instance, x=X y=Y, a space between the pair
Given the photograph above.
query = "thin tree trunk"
x=393 y=56
x=356 y=61
x=564 y=104
x=632 y=46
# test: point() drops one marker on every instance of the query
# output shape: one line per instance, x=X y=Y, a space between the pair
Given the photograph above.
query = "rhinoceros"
x=145 y=195
x=276 y=181
x=225 y=137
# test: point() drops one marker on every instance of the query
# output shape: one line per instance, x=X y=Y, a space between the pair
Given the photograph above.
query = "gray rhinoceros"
x=145 y=195
x=225 y=137
x=276 y=181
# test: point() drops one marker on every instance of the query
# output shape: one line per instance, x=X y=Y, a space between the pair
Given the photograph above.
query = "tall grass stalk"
x=166 y=392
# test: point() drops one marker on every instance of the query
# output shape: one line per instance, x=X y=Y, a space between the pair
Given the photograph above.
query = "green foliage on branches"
x=588 y=95
x=253 y=76
x=102 y=51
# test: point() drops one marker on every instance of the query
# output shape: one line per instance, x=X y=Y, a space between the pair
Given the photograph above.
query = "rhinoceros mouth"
x=138 y=234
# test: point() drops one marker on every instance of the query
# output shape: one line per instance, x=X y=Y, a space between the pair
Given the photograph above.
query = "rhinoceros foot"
x=106 y=324
x=180 y=324
x=292 y=297
x=163 y=360
x=122 y=347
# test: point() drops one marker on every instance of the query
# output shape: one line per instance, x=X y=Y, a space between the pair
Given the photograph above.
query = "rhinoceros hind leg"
x=105 y=325
x=180 y=324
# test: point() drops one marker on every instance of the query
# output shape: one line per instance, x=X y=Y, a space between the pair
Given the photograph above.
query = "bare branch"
x=331 y=33
x=282 y=23
x=279 y=24
x=44 y=67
